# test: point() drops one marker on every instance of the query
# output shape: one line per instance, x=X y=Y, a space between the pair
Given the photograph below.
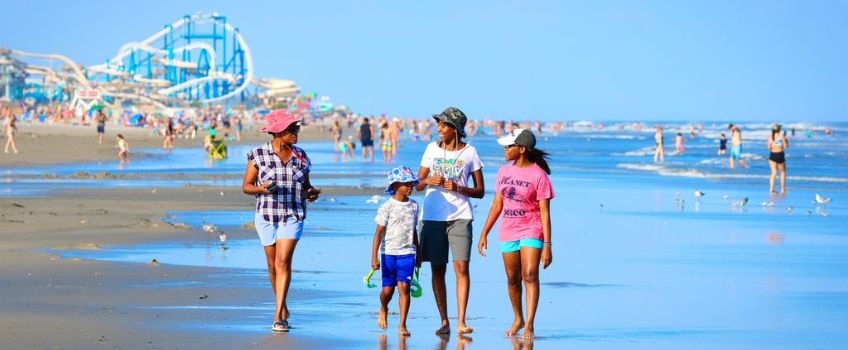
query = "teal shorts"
x=514 y=246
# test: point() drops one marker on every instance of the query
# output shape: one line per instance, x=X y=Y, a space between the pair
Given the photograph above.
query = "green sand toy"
x=414 y=287
x=367 y=279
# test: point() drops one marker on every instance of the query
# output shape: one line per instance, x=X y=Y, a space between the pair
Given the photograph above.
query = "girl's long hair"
x=539 y=157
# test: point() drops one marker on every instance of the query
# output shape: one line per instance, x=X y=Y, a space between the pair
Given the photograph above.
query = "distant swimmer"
x=659 y=153
x=736 y=147
x=777 y=143
x=722 y=145
x=678 y=144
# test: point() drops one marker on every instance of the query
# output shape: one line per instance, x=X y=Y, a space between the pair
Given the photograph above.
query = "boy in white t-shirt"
x=396 y=238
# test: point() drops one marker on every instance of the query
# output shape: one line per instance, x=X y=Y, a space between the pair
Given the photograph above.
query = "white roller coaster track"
x=199 y=19
x=161 y=93
x=79 y=76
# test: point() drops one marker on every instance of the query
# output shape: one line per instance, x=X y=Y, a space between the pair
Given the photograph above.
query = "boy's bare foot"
x=444 y=329
x=517 y=325
x=382 y=316
x=528 y=333
x=403 y=331
x=464 y=329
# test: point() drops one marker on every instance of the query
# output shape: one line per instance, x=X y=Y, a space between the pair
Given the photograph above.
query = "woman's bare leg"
x=530 y=273
x=282 y=265
x=512 y=266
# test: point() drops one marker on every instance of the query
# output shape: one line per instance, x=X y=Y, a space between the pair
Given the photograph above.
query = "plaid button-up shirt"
x=288 y=201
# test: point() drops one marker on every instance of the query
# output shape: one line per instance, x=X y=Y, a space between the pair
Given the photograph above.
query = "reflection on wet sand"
x=383 y=341
x=461 y=341
x=521 y=343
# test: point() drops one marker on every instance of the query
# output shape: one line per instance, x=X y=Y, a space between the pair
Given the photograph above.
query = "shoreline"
x=38 y=144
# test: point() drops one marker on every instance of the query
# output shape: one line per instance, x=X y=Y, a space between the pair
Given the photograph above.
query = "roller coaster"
x=199 y=58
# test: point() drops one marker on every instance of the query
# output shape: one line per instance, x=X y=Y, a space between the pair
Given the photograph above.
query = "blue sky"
x=592 y=60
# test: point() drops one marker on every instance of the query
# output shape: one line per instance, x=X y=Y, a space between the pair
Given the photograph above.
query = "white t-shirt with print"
x=440 y=204
x=399 y=219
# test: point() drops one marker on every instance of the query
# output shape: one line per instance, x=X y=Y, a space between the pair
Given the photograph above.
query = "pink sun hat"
x=278 y=120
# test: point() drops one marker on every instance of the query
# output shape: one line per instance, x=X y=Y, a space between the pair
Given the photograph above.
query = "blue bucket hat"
x=400 y=174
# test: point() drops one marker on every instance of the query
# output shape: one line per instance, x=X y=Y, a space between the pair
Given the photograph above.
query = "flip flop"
x=280 y=326
x=415 y=287
x=367 y=280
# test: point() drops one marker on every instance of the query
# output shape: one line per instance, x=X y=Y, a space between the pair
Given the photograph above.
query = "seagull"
x=699 y=193
x=724 y=197
x=822 y=199
x=741 y=203
x=210 y=228
x=374 y=199
x=768 y=204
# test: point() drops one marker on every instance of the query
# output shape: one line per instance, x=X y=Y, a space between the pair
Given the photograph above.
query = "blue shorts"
x=396 y=269
x=269 y=233
x=736 y=152
x=514 y=246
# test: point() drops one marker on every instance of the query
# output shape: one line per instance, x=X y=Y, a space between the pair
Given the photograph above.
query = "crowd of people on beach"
x=408 y=233
x=776 y=144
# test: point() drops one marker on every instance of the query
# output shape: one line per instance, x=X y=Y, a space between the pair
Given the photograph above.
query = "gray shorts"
x=437 y=236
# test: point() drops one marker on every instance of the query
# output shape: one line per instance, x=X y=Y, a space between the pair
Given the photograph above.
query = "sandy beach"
x=68 y=303
x=631 y=266
x=47 y=144
x=79 y=304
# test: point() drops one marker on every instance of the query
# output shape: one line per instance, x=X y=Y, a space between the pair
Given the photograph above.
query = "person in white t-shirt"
x=447 y=212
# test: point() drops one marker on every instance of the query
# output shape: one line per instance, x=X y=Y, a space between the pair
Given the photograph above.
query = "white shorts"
x=269 y=233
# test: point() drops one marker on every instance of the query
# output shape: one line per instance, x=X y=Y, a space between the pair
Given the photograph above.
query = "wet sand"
x=49 y=302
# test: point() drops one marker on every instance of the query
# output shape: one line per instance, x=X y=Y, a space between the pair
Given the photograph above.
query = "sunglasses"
x=292 y=129
x=508 y=146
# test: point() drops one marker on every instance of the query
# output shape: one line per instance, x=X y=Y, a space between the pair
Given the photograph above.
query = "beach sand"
x=630 y=267
x=46 y=144
x=50 y=302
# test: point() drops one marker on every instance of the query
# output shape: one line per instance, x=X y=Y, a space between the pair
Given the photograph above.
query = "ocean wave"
x=668 y=171
x=644 y=151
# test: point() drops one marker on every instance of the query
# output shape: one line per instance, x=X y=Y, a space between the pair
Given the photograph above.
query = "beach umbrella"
x=96 y=107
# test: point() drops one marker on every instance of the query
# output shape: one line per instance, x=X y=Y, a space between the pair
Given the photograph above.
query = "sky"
x=673 y=60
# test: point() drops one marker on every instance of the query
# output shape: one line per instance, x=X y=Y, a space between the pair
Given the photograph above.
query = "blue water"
x=631 y=267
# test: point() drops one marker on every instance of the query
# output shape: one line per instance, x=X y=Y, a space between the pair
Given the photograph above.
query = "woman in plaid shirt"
x=278 y=175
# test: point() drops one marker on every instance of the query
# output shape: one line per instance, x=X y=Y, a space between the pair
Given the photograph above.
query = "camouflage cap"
x=455 y=117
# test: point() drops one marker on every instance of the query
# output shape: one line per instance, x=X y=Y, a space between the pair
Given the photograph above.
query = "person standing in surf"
x=447 y=213
x=777 y=143
x=659 y=152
